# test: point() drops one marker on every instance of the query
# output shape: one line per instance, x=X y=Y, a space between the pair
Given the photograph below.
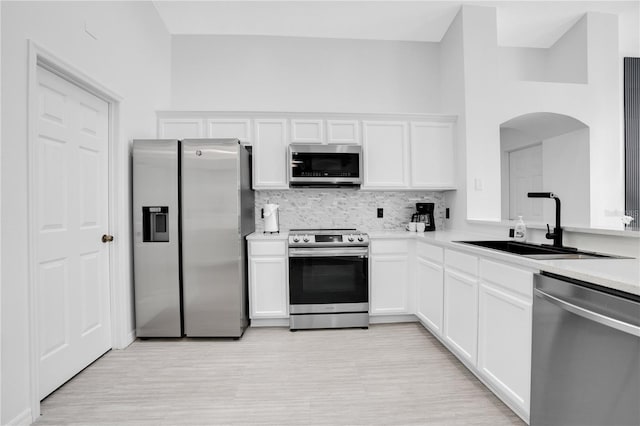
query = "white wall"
x=304 y=74
x=565 y=172
x=131 y=57
x=491 y=101
x=566 y=60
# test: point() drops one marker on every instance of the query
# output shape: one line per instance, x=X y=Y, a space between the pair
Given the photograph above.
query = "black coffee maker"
x=424 y=213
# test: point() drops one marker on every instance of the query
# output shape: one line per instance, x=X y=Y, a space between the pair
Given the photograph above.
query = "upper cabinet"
x=432 y=162
x=343 y=132
x=239 y=128
x=180 y=128
x=270 y=154
x=385 y=149
x=307 y=131
x=400 y=152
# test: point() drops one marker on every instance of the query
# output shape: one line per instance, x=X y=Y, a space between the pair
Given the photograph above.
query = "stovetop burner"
x=327 y=237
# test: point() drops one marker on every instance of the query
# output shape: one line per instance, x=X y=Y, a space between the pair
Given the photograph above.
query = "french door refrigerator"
x=192 y=209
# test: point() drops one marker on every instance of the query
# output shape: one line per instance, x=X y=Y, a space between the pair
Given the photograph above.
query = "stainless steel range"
x=328 y=278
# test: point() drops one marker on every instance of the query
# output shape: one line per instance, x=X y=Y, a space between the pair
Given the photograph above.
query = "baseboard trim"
x=387 y=319
x=22 y=419
x=129 y=339
x=270 y=322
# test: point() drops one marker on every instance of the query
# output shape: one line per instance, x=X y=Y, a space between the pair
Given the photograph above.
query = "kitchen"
x=156 y=70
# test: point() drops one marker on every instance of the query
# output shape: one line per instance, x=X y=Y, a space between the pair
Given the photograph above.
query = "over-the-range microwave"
x=325 y=166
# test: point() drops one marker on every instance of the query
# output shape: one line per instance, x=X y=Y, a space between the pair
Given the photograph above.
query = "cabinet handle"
x=107 y=238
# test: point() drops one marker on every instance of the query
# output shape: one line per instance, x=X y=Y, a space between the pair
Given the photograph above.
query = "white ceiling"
x=520 y=23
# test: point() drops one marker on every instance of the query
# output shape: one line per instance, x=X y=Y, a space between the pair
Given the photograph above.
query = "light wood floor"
x=389 y=374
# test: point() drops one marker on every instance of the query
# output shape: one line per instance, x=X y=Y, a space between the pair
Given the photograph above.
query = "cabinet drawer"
x=267 y=248
x=511 y=278
x=461 y=261
x=389 y=246
x=430 y=252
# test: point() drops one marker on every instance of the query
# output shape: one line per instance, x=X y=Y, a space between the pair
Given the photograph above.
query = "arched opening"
x=546 y=152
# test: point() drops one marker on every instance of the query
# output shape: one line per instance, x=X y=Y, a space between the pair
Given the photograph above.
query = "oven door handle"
x=329 y=252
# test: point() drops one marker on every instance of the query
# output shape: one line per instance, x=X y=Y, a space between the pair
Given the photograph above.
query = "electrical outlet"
x=380 y=212
x=446 y=213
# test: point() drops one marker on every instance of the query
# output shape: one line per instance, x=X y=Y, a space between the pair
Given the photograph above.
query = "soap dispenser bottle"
x=520 y=231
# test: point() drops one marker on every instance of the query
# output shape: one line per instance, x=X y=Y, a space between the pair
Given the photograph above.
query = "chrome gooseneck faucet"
x=556 y=235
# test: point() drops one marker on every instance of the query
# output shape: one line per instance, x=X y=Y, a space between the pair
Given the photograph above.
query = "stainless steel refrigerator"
x=192 y=209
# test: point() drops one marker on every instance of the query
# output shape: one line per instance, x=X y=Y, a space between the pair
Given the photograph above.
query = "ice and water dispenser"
x=155 y=224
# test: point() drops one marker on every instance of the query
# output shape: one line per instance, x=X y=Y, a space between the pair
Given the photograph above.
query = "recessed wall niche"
x=550 y=153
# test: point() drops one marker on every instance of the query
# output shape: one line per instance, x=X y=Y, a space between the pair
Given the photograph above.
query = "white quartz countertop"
x=618 y=274
x=282 y=235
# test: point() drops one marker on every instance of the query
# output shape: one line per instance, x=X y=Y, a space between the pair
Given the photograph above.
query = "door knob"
x=107 y=238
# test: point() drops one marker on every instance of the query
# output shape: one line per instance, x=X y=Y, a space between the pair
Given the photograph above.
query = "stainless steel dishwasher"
x=585 y=354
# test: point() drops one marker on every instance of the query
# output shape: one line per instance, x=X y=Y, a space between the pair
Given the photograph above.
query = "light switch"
x=478 y=184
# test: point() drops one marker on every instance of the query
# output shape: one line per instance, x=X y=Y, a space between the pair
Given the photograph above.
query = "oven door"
x=328 y=279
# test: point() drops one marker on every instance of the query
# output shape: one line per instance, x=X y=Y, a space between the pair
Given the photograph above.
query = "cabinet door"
x=385 y=153
x=268 y=287
x=180 y=128
x=343 y=132
x=236 y=128
x=430 y=283
x=432 y=165
x=461 y=314
x=270 y=154
x=389 y=284
x=504 y=343
x=307 y=131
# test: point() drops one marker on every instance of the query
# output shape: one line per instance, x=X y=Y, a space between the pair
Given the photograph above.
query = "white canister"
x=271 y=222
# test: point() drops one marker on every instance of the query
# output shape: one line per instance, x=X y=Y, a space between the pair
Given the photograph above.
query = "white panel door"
x=504 y=342
x=432 y=165
x=461 y=314
x=270 y=154
x=232 y=128
x=180 y=128
x=430 y=279
x=71 y=206
x=269 y=297
x=385 y=151
x=389 y=284
x=307 y=131
x=525 y=175
x=343 y=132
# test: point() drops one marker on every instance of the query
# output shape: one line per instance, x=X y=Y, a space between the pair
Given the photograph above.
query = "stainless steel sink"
x=538 y=251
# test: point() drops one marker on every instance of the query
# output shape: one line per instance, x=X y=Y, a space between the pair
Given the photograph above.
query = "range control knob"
x=296 y=238
x=360 y=238
x=305 y=238
x=350 y=238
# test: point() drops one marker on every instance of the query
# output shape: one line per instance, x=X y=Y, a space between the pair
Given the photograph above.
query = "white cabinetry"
x=343 y=132
x=180 y=128
x=270 y=154
x=236 y=128
x=307 y=131
x=461 y=304
x=389 y=277
x=386 y=152
x=432 y=163
x=429 y=286
x=268 y=282
x=505 y=323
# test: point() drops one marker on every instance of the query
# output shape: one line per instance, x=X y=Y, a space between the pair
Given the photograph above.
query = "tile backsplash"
x=346 y=208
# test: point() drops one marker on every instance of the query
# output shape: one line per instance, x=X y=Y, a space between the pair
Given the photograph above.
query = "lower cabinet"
x=505 y=324
x=389 y=278
x=268 y=282
x=430 y=288
x=461 y=313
